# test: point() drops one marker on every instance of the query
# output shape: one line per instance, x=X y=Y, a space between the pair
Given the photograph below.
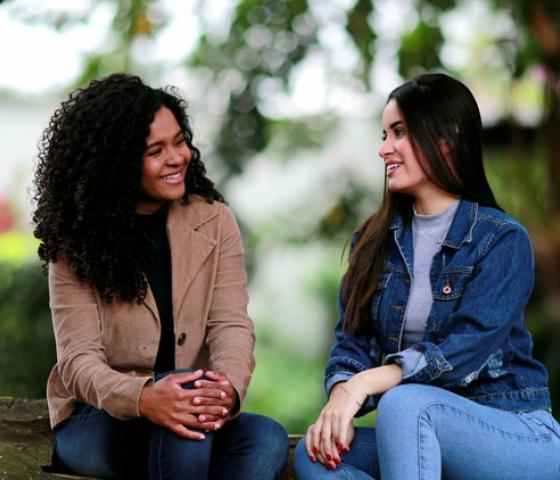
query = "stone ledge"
x=26 y=441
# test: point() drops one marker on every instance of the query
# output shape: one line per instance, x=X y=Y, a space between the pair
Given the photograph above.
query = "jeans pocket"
x=541 y=423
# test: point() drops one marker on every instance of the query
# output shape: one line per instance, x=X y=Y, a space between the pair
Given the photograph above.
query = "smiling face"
x=165 y=163
x=404 y=172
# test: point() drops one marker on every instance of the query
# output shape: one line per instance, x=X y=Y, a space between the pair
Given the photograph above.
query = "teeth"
x=172 y=177
x=392 y=167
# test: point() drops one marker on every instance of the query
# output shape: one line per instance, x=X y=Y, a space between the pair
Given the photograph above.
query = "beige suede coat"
x=106 y=352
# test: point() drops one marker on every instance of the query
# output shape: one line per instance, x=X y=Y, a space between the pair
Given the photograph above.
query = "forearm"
x=375 y=381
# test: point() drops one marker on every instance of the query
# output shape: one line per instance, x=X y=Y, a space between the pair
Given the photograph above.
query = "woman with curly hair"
x=148 y=296
x=431 y=330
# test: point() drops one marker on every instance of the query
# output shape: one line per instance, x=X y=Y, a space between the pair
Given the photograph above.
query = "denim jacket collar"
x=461 y=229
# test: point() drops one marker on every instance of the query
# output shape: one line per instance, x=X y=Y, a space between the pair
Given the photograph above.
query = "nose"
x=177 y=157
x=385 y=148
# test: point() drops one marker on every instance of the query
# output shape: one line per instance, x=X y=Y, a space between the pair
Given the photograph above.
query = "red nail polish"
x=331 y=466
x=337 y=461
x=313 y=458
x=329 y=458
x=315 y=450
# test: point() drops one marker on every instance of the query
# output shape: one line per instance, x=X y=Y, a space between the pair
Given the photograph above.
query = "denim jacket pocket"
x=452 y=282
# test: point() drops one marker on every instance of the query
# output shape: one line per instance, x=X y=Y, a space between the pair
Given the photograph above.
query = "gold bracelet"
x=342 y=387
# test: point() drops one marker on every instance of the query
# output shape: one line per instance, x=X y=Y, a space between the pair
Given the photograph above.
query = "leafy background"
x=286 y=97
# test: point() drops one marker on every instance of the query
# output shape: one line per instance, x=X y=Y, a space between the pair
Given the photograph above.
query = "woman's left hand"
x=332 y=426
x=216 y=380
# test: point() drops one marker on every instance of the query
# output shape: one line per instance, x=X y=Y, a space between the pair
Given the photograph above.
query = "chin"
x=175 y=195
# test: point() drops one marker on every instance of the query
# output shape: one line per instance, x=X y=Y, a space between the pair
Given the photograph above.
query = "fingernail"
x=222 y=394
x=224 y=411
x=337 y=461
x=315 y=450
x=329 y=458
x=330 y=466
x=313 y=458
x=196 y=400
x=197 y=384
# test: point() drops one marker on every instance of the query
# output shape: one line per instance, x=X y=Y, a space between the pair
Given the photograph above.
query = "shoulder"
x=213 y=219
x=197 y=212
x=495 y=227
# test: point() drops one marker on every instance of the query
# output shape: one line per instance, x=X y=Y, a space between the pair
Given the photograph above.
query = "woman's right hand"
x=327 y=460
x=332 y=433
x=168 y=405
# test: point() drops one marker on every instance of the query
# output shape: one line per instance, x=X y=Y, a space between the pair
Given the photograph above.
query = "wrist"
x=360 y=385
x=144 y=399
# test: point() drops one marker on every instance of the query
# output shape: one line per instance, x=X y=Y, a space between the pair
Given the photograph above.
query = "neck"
x=149 y=207
x=433 y=201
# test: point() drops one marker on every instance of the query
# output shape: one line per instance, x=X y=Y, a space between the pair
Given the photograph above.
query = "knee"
x=270 y=436
x=269 y=446
x=302 y=462
x=403 y=402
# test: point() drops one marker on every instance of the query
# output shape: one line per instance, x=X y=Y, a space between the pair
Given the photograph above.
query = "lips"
x=392 y=167
x=174 y=178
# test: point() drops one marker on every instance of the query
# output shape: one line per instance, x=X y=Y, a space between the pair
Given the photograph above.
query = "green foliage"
x=287 y=383
x=266 y=41
x=420 y=49
x=362 y=34
x=27 y=350
x=517 y=181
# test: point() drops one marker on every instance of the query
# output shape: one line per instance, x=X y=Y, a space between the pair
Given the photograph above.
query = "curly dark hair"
x=87 y=181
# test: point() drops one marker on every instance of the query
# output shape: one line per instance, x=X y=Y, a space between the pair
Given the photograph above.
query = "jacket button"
x=181 y=339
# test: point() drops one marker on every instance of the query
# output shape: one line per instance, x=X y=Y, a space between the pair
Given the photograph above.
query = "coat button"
x=181 y=339
x=447 y=289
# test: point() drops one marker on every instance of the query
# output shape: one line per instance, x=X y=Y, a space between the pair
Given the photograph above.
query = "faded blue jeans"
x=428 y=433
x=95 y=444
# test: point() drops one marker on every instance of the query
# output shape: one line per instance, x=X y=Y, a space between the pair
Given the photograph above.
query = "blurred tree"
x=269 y=42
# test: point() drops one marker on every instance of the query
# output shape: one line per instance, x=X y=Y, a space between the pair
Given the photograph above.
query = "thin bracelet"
x=342 y=387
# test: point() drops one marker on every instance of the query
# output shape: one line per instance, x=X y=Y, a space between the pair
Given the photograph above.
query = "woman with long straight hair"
x=431 y=328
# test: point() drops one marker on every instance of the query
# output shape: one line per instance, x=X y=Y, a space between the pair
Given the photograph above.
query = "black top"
x=157 y=267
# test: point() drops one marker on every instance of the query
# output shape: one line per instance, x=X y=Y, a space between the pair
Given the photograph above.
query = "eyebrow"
x=161 y=141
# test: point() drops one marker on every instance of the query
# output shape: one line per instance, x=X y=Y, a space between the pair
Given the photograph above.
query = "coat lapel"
x=150 y=302
x=189 y=247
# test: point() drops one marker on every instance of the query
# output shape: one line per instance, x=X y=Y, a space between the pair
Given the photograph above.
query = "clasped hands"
x=207 y=406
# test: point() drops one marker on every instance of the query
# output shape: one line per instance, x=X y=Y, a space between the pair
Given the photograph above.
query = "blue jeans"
x=93 y=443
x=428 y=433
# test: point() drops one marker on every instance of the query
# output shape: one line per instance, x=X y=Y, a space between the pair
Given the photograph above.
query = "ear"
x=444 y=147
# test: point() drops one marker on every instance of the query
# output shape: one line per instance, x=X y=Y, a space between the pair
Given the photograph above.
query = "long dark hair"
x=87 y=181
x=437 y=110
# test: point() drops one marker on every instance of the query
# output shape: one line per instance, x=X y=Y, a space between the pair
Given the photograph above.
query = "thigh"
x=360 y=463
x=93 y=443
x=466 y=439
x=490 y=444
x=173 y=457
x=249 y=446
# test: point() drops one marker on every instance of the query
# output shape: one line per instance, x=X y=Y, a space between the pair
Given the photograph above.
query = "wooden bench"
x=26 y=442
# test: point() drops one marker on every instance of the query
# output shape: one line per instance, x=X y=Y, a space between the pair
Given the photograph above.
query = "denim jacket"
x=475 y=343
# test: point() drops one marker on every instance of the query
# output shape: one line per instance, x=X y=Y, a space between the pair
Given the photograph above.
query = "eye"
x=153 y=153
x=180 y=141
x=399 y=132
